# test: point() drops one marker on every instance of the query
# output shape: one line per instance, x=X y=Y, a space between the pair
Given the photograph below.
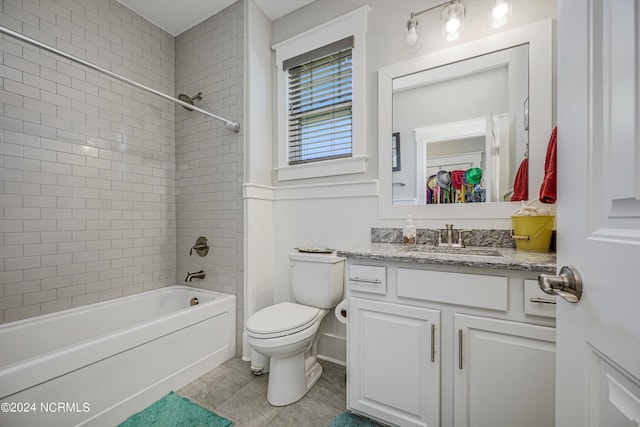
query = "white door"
x=598 y=338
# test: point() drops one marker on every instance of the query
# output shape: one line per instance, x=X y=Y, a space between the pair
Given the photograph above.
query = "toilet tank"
x=317 y=280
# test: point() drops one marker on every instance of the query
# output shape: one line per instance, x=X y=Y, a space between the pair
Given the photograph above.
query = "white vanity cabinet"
x=394 y=375
x=449 y=346
x=504 y=375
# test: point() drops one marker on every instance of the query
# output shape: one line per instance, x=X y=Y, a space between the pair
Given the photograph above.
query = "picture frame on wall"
x=395 y=151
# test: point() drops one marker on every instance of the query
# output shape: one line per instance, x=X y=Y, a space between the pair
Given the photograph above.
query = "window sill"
x=346 y=166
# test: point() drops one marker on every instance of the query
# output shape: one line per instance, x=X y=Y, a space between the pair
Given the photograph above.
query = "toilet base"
x=290 y=378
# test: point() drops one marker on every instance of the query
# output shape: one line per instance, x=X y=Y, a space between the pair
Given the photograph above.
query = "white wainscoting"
x=278 y=219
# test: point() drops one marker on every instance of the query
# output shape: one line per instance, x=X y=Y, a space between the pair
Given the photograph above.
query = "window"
x=321 y=100
x=319 y=93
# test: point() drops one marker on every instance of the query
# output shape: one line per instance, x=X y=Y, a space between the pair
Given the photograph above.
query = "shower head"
x=189 y=99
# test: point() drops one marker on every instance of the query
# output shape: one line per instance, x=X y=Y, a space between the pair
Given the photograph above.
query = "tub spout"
x=197 y=275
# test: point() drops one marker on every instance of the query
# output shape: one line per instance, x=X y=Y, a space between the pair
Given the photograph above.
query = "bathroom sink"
x=452 y=251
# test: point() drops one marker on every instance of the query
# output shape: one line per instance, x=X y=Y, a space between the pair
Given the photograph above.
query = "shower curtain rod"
x=234 y=126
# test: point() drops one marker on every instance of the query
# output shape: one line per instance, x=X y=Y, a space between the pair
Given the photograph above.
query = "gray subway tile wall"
x=88 y=163
x=209 y=158
x=90 y=195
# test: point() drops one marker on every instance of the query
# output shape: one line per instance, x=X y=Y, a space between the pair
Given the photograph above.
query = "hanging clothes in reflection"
x=457 y=186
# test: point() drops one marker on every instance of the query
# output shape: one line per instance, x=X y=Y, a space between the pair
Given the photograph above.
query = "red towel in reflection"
x=549 y=182
x=521 y=183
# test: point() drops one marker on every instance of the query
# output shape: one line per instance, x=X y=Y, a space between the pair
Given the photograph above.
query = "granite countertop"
x=506 y=259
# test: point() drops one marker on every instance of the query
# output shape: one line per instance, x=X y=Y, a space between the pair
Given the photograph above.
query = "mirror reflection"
x=463 y=129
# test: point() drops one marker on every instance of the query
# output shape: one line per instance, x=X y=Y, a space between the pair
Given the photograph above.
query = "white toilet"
x=286 y=332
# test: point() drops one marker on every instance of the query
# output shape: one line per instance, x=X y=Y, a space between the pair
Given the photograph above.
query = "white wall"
x=87 y=163
x=339 y=211
x=327 y=221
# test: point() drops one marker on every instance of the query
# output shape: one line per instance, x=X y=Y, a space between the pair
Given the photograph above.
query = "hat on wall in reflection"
x=456 y=178
x=474 y=175
x=443 y=179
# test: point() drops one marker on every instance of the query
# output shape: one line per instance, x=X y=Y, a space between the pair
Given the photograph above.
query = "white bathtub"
x=98 y=364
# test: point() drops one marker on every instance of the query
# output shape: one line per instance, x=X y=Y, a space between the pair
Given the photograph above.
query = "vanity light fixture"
x=452 y=23
x=499 y=14
x=453 y=14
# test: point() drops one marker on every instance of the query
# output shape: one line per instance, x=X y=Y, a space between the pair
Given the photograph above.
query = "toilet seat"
x=281 y=319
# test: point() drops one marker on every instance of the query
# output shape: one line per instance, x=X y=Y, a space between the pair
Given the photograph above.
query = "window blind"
x=320 y=101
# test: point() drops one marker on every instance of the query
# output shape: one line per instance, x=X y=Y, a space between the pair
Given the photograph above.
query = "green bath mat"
x=352 y=420
x=175 y=411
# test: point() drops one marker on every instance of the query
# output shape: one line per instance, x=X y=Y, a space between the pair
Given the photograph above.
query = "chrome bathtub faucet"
x=197 y=275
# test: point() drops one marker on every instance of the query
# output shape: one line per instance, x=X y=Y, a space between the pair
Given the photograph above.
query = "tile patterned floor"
x=232 y=391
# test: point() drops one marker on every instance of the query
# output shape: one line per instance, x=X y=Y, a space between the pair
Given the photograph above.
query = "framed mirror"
x=479 y=106
x=466 y=120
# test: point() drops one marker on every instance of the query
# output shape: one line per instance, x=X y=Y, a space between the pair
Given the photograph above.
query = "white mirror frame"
x=540 y=38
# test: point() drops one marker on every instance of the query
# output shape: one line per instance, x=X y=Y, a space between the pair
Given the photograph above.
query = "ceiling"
x=176 y=17
x=275 y=9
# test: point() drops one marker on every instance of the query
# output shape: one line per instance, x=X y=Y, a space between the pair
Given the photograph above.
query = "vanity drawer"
x=471 y=290
x=368 y=278
x=536 y=302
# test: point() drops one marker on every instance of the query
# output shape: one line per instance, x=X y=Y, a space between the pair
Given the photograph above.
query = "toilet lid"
x=281 y=318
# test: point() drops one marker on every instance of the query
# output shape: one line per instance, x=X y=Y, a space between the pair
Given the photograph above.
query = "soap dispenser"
x=409 y=232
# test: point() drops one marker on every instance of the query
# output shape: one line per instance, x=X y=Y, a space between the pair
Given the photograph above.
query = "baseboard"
x=328 y=359
x=333 y=348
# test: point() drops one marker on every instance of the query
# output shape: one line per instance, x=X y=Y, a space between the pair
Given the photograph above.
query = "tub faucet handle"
x=201 y=247
x=196 y=247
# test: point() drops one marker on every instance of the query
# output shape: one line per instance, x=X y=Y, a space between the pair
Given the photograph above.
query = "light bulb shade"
x=412 y=32
x=413 y=38
x=452 y=20
x=499 y=14
x=452 y=36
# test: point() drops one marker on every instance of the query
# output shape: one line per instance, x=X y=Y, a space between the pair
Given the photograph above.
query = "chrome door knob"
x=568 y=284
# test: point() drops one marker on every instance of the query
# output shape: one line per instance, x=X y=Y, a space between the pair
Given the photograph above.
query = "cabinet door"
x=393 y=362
x=504 y=373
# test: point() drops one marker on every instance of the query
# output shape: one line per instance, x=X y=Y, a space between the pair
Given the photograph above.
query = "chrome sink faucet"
x=197 y=275
x=449 y=234
x=449 y=242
